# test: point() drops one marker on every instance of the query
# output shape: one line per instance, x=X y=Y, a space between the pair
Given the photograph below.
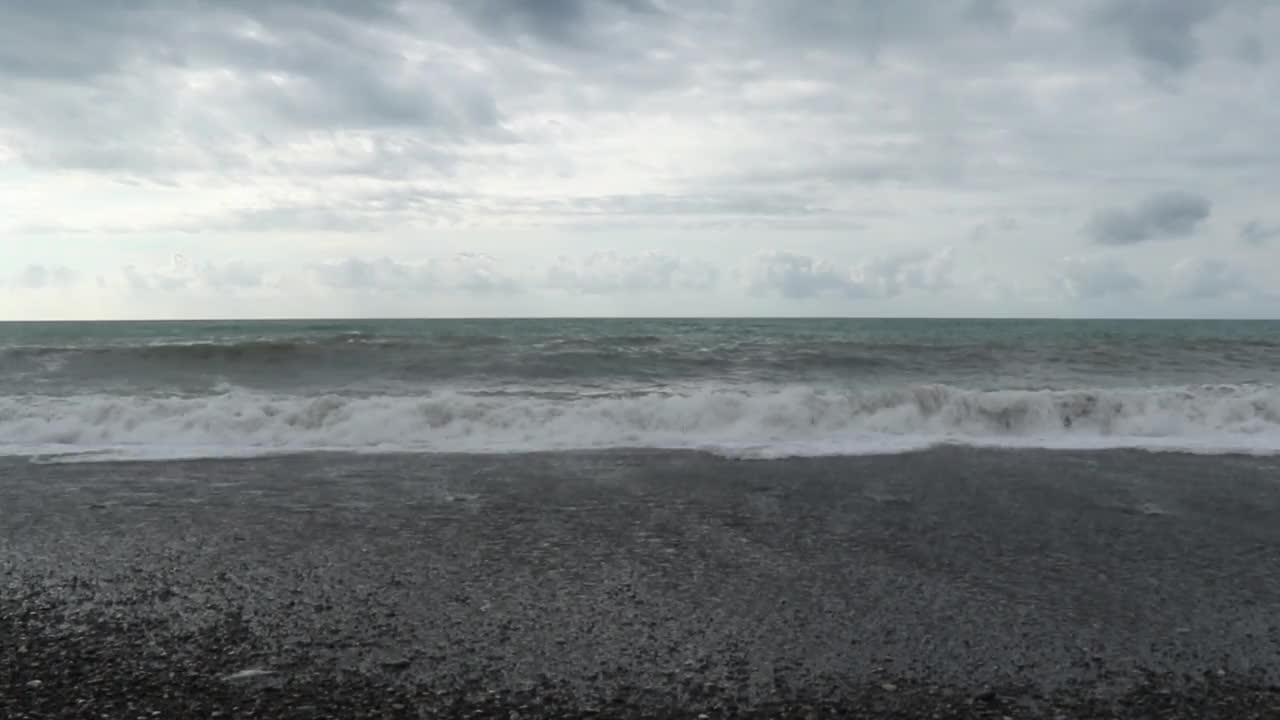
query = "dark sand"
x=952 y=583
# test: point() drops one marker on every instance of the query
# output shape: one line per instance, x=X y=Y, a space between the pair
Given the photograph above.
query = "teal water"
x=988 y=354
x=480 y=385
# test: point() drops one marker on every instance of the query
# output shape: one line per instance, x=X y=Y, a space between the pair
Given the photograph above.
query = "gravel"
x=943 y=585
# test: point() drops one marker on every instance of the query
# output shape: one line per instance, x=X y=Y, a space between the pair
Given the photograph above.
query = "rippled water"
x=742 y=386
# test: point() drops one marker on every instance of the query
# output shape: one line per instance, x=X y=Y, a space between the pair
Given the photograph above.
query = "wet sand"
x=949 y=583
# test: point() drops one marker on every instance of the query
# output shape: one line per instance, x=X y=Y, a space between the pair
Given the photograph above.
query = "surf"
x=749 y=421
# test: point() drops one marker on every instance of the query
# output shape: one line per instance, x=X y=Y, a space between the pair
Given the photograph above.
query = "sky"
x=427 y=158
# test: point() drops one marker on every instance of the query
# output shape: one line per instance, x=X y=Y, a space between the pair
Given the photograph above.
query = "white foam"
x=756 y=421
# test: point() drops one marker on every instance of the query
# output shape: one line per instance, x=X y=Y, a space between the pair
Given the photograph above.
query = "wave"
x=252 y=351
x=202 y=349
x=320 y=360
x=759 y=421
x=612 y=341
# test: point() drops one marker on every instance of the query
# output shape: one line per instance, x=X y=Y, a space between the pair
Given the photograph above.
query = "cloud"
x=154 y=89
x=559 y=22
x=39 y=277
x=140 y=280
x=1207 y=279
x=611 y=272
x=1163 y=32
x=180 y=275
x=381 y=275
x=922 y=270
x=1250 y=50
x=474 y=273
x=234 y=274
x=298 y=134
x=1159 y=216
x=1256 y=232
x=1094 y=278
x=991 y=229
x=798 y=276
x=867 y=27
x=605 y=272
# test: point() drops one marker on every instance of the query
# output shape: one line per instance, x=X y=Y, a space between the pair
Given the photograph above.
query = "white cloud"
x=465 y=272
x=476 y=273
x=797 y=276
x=611 y=272
x=1094 y=278
x=1208 y=279
x=922 y=270
x=380 y=275
x=38 y=277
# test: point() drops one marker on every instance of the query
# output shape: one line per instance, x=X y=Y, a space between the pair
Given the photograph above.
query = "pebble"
x=110 y=655
x=248 y=674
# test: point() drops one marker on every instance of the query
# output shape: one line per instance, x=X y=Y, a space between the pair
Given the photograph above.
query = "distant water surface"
x=752 y=388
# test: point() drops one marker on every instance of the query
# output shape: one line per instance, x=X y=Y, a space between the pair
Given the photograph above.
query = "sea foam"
x=746 y=421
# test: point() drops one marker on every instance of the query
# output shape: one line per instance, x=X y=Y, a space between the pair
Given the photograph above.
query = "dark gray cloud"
x=157 y=88
x=1256 y=232
x=866 y=27
x=1159 y=216
x=77 y=41
x=1162 y=31
x=560 y=22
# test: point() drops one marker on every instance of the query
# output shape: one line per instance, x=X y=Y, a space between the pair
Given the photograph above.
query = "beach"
x=623 y=359
x=953 y=582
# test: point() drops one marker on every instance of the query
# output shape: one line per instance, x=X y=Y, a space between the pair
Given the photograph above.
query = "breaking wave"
x=754 y=421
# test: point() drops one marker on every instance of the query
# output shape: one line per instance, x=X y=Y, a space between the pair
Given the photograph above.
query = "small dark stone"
x=986 y=696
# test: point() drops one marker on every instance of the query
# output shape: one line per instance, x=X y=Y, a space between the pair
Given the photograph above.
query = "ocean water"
x=744 y=388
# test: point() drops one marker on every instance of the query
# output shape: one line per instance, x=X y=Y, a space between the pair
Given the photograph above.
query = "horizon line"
x=500 y=318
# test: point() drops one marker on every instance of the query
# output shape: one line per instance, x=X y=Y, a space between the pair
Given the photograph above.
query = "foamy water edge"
x=760 y=421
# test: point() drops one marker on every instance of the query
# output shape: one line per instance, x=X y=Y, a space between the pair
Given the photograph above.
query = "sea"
x=741 y=388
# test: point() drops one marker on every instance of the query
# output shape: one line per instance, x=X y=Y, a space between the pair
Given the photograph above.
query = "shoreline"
x=102 y=456
x=955 y=582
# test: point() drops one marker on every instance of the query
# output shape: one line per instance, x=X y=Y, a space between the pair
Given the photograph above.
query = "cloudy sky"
x=205 y=158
